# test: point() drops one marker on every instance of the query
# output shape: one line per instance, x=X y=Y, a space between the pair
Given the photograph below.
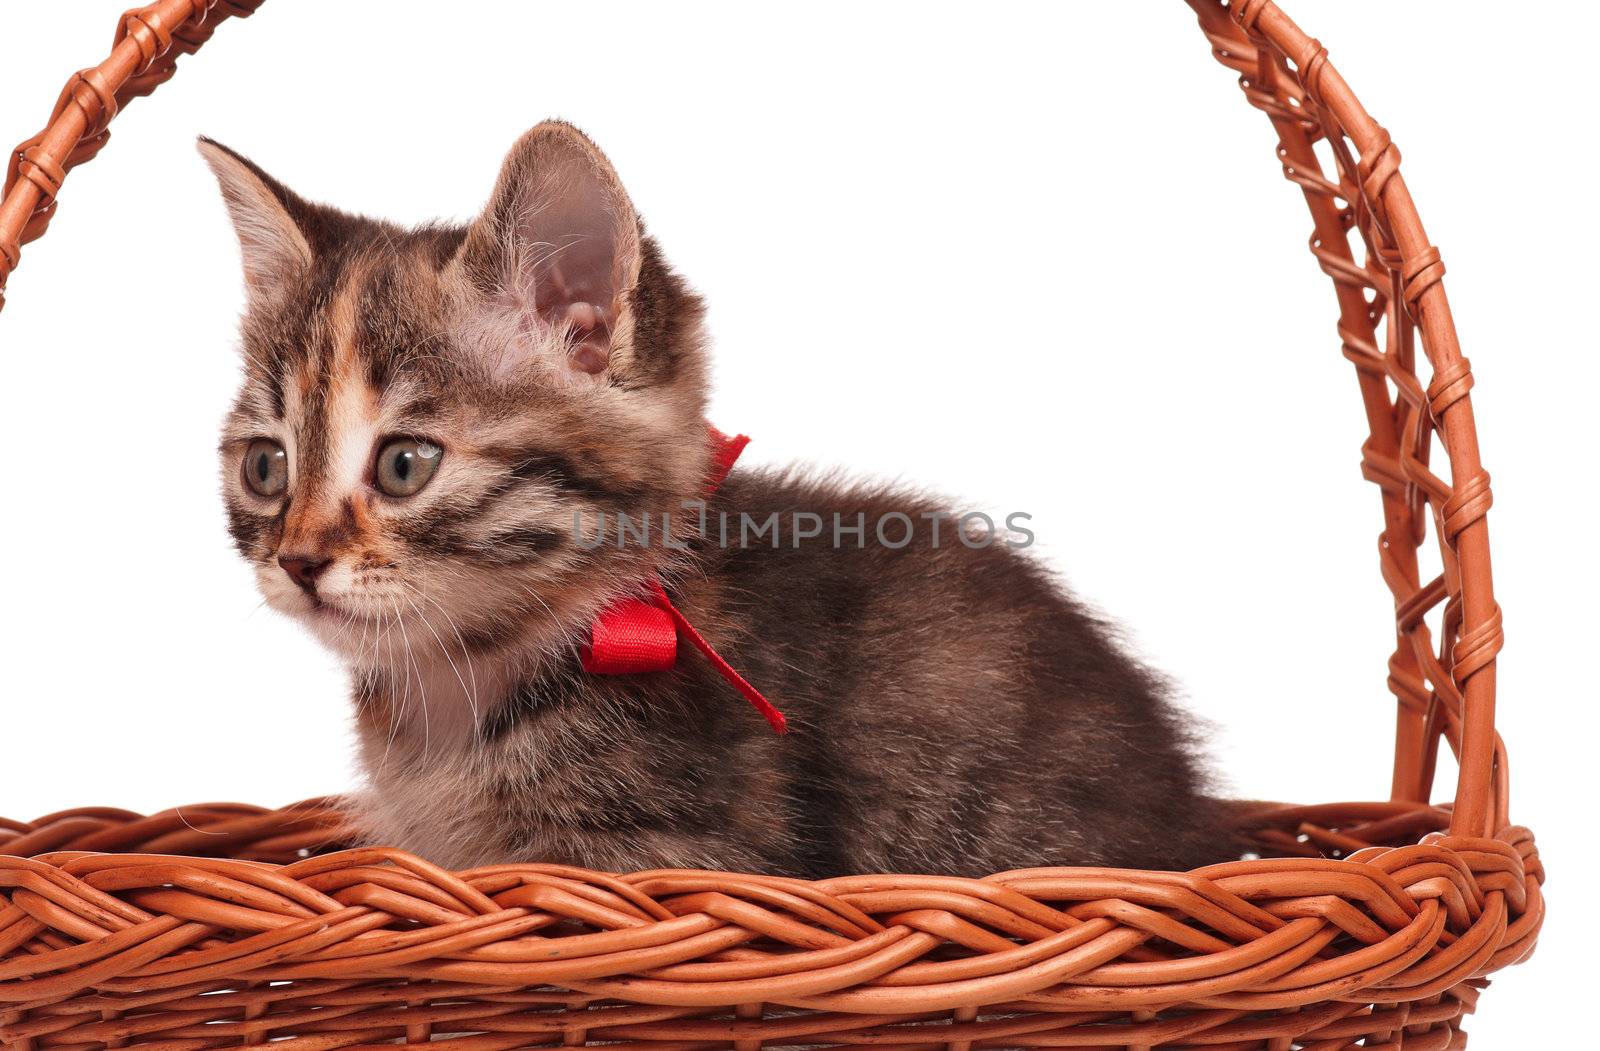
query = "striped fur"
x=954 y=710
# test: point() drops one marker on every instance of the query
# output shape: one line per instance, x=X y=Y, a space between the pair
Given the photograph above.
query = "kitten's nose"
x=303 y=571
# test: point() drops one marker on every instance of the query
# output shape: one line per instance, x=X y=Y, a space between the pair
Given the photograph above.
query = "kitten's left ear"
x=271 y=239
x=560 y=244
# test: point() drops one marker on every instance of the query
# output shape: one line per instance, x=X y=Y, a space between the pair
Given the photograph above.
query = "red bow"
x=634 y=635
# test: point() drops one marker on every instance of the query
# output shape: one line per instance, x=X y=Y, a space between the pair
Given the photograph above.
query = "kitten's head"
x=427 y=414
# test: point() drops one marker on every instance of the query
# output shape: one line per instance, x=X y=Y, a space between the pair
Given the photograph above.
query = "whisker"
x=472 y=697
x=422 y=686
x=472 y=672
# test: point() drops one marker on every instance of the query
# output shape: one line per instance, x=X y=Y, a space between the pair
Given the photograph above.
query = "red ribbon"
x=634 y=635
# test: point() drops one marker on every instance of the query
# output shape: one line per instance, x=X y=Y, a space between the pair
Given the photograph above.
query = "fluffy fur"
x=953 y=709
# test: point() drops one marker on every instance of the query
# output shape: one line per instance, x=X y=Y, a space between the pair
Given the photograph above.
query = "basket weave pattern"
x=1362 y=924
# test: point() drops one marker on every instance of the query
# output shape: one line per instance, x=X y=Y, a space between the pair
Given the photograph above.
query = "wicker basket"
x=1370 y=924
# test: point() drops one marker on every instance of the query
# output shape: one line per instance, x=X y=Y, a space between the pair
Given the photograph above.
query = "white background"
x=1038 y=255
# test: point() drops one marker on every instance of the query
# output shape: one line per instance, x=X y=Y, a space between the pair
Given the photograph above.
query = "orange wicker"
x=1365 y=924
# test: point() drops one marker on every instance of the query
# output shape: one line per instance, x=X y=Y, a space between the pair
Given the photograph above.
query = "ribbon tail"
x=768 y=711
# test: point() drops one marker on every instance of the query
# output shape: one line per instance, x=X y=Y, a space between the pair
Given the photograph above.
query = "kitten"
x=425 y=416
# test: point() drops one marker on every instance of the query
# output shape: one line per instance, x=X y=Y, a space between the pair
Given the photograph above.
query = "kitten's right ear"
x=560 y=245
x=273 y=244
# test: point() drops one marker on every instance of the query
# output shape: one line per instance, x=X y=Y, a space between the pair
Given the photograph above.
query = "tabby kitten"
x=425 y=416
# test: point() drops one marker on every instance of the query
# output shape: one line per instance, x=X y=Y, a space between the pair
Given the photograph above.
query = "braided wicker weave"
x=1369 y=924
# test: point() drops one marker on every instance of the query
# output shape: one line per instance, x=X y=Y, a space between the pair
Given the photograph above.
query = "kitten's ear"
x=559 y=243
x=274 y=246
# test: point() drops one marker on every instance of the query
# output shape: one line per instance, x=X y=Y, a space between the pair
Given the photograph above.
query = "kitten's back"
x=957 y=710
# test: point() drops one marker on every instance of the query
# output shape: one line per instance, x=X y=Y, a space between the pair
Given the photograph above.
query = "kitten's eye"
x=266 y=468
x=406 y=464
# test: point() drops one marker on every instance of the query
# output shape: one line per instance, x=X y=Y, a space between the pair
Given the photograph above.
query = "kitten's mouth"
x=329 y=610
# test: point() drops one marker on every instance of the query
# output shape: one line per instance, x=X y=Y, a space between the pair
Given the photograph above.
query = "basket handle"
x=1285 y=74
x=143 y=56
x=1451 y=692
